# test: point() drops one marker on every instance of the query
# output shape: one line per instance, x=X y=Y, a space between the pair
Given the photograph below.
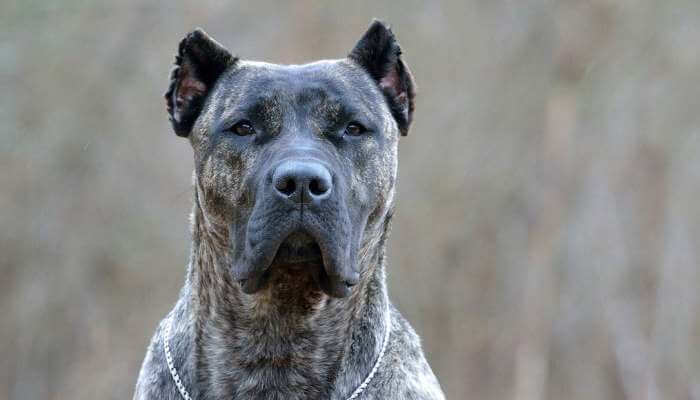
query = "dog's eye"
x=242 y=128
x=355 y=129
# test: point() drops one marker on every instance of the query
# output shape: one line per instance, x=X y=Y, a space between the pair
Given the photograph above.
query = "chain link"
x=387 y=331
x=169 y=360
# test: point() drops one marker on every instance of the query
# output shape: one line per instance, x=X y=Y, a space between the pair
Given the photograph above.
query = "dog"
x=294 y=183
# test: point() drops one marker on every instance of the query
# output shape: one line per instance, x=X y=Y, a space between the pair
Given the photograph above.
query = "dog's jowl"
x=294 y=182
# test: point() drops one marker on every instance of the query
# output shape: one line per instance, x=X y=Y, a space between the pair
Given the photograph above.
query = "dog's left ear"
x=199 y=63
x=379 y=54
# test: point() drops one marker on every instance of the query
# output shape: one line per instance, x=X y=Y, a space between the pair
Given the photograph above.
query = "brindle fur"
x=288 y=338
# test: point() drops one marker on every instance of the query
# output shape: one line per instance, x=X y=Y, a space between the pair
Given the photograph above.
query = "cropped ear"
x=379 y=54
x=199 y=62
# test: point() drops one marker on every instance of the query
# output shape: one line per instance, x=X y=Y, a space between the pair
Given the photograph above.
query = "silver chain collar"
x=169 y=359
x=186 y=396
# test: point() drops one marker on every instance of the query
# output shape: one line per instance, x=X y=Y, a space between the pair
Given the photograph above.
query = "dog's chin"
x=298 y=263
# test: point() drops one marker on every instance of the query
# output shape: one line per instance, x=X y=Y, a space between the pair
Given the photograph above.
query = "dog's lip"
x=298 y=248
x=298 y=251
x=332 y=272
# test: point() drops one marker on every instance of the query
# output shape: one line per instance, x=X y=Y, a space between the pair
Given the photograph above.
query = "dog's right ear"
x=199 y=63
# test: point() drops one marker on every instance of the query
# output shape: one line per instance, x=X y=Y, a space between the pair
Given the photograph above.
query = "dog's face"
x=297 y=163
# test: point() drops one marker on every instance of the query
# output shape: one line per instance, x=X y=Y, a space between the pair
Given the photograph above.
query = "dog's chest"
x=272 y=360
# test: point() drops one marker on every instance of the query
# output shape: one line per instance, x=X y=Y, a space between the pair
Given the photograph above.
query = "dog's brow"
x=265 y=109
x=330 y=113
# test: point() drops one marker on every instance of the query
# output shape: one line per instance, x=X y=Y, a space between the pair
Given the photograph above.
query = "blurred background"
x=547 y=236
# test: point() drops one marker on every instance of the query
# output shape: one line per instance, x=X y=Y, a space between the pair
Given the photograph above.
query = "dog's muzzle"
x=299 y=219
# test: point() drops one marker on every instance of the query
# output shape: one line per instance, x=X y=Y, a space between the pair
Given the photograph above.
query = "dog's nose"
x=302 y=181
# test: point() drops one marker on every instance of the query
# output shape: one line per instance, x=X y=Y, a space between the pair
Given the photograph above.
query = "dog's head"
x=296 y=162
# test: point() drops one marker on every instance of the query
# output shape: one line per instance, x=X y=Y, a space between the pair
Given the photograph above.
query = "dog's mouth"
x=298 y=248
x=320 y=244
x=299 y=259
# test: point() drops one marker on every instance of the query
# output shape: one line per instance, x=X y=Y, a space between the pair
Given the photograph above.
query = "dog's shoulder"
x=405 y=373
x=155 y=381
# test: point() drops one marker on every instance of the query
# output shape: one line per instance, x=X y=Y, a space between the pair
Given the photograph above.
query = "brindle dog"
x=294 y=182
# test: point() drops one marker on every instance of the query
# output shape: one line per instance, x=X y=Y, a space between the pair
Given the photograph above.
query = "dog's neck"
x=290 y=340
